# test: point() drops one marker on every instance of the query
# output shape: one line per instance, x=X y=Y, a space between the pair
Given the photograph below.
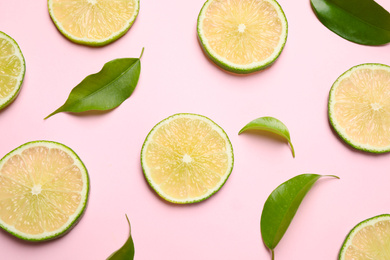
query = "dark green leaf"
x=126 y=251
x=360 y=21
x=272 y=125
x=281 y=206
x=106 y=89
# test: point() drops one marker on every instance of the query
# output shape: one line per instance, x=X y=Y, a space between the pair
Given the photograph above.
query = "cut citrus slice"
x=43 y=190
x=242 y=36
x=93 y=22
x=186 y=158
x=368 y=240
x=359 y=107
x=12 y=68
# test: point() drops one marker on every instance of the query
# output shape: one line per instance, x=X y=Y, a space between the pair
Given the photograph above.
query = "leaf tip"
x=142 y=52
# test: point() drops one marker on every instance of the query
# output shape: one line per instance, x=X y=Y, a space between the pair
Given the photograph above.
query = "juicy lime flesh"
x=11 y=68
x=362 y=106
x=242 y=31
x=93 y=19
x=40 y=189
x=186 y=158
x=371 y=242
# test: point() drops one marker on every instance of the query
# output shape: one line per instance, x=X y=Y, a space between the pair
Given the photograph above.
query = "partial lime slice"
x=359 y=107
x=368 y=240
x=12 y=69
x=186 y=158
x=43 y=190
x=93 y=22
x=242 y=36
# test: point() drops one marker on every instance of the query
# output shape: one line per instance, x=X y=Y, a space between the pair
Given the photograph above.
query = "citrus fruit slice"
x=242 y=36
x=368 y=240
x=186 y=158
x=93 y=22
x=12 y=69
x=359 y=107
x=43 y=190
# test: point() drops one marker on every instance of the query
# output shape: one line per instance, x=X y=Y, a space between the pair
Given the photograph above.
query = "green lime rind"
x=234 y=68
x=186 y=201
x=357 y=228
x=333 y=122
x=93 y=43
x=12 y=97
x=81 y=210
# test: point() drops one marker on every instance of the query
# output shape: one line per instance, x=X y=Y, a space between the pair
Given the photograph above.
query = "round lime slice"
x=93 y=22
x=43 y=190
x=186 y=158
x=359 y=105
x=12 y=69
x=242 y=36
x=370 y=239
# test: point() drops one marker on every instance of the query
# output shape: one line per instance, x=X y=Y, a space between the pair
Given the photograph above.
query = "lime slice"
x=43 y=190
x=93 y=22
x=368 y=240
x=359 y=107
x=242 y=36
x=12 y=68
x=186 y=158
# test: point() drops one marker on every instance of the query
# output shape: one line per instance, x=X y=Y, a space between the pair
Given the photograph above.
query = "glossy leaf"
x=127 y=251
x=360 y=21
x=281 y=206
x=272 y=125
x=106 y=89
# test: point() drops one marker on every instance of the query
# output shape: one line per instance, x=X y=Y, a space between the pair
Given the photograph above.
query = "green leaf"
x=272 y=125
x=106 y=89
x=360 y=21
x=126 y=251
x=281 y=206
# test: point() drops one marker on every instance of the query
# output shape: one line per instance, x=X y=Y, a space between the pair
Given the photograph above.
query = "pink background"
x=176 y=77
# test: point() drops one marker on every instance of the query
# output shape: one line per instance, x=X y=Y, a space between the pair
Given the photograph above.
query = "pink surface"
x=177 y=77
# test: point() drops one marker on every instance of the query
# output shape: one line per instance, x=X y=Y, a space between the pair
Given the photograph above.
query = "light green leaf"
x=272 y=125
x=106 y=89
x=361 y=21
x=127 y=251
x=281 y=206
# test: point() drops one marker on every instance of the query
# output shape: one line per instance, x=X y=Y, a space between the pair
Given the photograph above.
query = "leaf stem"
x=273 y=254
x=142 y=52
